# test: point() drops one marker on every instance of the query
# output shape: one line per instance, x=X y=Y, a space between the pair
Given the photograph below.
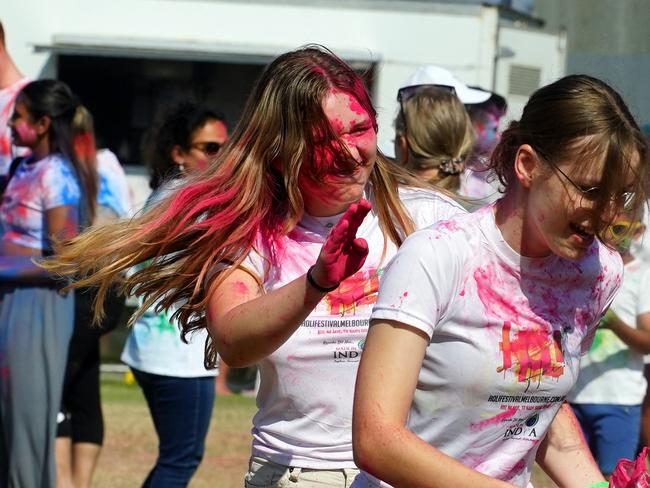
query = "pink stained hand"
x=343 y=253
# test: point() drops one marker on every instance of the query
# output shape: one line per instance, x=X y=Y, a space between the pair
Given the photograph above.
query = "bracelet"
x=600 y=484
x=322 y=289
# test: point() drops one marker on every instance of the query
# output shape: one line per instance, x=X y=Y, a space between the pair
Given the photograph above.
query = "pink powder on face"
x=26 y=133
x=497 y=419
x=356 y=107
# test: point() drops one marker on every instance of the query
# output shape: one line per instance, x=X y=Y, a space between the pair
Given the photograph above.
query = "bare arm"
x=636 y=338
x=564 y=454
x=248 y=325
x=17 y=263
x=383 y=446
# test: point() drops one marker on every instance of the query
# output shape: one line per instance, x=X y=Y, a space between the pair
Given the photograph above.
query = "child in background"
x=610 y=389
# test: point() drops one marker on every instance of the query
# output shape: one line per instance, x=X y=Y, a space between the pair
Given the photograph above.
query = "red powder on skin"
x=26 y=133
x=240 y=288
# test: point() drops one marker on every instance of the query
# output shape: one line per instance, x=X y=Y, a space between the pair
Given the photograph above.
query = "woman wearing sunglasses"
x=488 y=314
x=178 y=388
x=608 y=395
x=433 y=134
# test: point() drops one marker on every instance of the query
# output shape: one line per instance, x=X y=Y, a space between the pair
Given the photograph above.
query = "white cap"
x=435 y=75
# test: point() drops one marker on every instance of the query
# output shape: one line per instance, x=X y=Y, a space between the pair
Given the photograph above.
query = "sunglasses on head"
x=407 y=92
x=209 y=148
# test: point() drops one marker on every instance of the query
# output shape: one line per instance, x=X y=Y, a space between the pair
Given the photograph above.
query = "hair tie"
x=451 y=167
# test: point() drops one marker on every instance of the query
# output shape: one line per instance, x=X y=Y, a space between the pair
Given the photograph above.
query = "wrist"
x=317 y=286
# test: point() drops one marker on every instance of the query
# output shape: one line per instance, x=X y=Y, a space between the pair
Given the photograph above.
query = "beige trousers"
x=266 y=474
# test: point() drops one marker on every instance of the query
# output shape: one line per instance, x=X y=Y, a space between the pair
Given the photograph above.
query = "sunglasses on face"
x=623 y=228
x=209 y=148
x=407 y=92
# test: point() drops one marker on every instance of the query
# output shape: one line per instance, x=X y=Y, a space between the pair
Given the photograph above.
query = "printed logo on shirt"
x=357 y=291
x=531 y=353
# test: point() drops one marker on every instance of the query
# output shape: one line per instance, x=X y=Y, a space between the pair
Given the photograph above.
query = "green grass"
x=130 y=444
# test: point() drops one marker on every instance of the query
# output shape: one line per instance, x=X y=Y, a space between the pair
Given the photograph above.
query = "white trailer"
x=222 y=46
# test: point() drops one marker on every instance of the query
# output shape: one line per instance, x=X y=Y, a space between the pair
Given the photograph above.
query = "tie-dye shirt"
x=34 y=189
x=7 y=101
x=113 y=188
x=307 y=387
x=611 y=373
x=506 y=336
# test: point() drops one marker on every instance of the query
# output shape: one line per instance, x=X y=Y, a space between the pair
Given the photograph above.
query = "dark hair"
x=55 y=100
x=2 y=35
x=555 y=122
x=173 y=127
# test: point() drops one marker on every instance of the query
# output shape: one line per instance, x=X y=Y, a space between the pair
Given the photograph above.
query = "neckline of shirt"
x=501 y=246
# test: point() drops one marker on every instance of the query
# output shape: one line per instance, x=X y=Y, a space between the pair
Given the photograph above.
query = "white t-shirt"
x=307 y=385
x=506 y=335
x=611 y=373
x=7 y=100
x=34 y=189
x=113 y=188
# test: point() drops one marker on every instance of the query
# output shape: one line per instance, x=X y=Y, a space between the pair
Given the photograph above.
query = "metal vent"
x=523 y=80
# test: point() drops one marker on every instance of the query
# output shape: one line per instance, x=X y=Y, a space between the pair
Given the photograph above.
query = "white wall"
x=400 y=40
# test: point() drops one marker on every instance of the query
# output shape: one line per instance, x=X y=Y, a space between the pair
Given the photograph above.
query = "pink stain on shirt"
x=359 y=289
x=497 y=419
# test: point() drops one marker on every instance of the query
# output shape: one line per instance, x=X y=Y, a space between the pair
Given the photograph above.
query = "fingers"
x=358 y=214
x=358 y=256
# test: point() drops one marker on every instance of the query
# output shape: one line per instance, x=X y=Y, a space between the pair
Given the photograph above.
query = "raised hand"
x=343 y=253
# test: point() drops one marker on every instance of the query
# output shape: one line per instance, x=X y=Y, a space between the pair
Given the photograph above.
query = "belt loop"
x=294 y=474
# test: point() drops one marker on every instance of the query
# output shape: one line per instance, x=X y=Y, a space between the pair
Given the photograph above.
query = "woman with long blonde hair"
x=433 y=134
x=278 y=249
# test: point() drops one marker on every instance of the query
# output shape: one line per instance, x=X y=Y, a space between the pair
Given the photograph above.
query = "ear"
x=43 y=125
x=401 y=149
x=178 y=154
x=526 y=165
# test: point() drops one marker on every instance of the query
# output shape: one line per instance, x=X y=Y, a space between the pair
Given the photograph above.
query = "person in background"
x=50 y=196
x=433 y=134
x=487 y=314
x=477 y=181
x=80 y=432
x=278 y=249
x=179 y=390
x=608 y=395
x=11 y=82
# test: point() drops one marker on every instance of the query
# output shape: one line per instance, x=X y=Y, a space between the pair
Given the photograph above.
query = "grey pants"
x=36 y=324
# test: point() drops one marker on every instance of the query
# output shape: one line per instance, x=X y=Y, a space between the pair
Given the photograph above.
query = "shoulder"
x=428 y=206
x=107 y=161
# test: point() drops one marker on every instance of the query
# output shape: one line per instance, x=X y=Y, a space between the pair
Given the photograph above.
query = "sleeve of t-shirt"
x=428 y=207
x=643 y=298
x=59 y=185
x=418 y=285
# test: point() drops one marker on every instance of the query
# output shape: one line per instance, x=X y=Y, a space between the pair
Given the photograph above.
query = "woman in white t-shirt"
x=480 y=323
x=278 y=249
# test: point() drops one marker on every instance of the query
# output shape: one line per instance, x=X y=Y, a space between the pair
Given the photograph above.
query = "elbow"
x=229 y=353
x=367 y=447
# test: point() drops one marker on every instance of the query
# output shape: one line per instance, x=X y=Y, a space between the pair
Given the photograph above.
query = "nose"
x=351 y=147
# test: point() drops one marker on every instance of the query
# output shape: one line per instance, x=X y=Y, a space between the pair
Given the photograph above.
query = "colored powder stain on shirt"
x=359 y=289
x=531 y=353
x=497 y=419
x=164 y=325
